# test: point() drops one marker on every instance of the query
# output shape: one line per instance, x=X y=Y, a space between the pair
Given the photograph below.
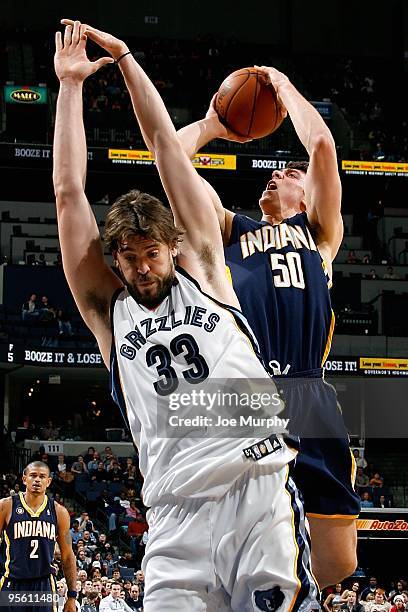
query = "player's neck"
x=34 y=501
x=276 y=216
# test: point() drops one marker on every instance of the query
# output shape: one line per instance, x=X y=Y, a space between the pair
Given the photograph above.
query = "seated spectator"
x=351 y=257
x=89 y=455
x=61 y=465
x=127 y=560
x=76 y=534
x=49 y=432
x=367 y=259
x=399 y=589
x=140 y=580
x=134 y=600
x=82 y=562
x=371 y=588
x=90 y=603
x=362 y=480
x=79 y=467
x=85 y=522
x=376 y=480
x=391 y=274
x=116 y=577
x=366 y=500
x=30 y=310
x=94 y=462
x=352 y=605
x=107 y=455
x=114 y=471
x=359 y=458
x=383 y=502
x=114 y=601
x=133 y=512
x=101 y=475
x=371 y=275
x=89 y=540
x=378 y=604
x=47 y=312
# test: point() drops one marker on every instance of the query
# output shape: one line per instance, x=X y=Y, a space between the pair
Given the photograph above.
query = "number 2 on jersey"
x=287 y=273
x=160 y=357
x=34 y=546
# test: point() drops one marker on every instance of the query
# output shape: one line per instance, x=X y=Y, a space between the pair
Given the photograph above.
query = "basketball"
x=247 y=105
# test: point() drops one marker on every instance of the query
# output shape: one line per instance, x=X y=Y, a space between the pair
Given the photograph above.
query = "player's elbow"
x=66 y=191
x=165 y=143
x=322 y=143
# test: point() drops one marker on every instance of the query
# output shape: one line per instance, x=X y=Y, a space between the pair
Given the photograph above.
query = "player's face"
x=37 y=480
x=285 y=189
x=147 y=269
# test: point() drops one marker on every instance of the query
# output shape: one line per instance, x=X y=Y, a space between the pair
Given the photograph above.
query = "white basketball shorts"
x=248 y=551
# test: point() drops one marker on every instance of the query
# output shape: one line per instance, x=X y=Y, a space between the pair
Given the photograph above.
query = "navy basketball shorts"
x=325 y=467
x=19 y=595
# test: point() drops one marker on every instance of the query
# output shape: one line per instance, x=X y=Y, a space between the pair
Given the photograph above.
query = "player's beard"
x=162 y=289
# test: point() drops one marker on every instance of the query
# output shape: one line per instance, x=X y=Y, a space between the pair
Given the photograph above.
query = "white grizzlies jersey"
x=185 y=344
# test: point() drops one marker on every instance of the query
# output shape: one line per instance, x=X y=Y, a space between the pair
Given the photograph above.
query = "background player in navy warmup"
x=31 y=524
x=281 y=267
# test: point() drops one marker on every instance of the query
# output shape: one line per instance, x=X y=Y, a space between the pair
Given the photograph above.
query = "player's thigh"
x=333 y=539
x=177 y=562
x=263 y=559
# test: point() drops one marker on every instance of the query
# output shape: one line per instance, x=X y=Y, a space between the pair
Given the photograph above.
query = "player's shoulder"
x=6 y=505
x=243 y=223
x=61 y=512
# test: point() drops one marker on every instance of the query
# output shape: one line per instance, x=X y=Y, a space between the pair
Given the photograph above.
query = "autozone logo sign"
x=376 y=525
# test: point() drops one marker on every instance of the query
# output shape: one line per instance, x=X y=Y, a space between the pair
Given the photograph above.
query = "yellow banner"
x=383 y=363
x=374 y=166
x=214 y=161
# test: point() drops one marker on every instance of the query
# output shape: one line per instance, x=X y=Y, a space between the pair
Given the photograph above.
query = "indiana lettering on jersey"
x=36 y=529
x=195 y=316
x=276 y=237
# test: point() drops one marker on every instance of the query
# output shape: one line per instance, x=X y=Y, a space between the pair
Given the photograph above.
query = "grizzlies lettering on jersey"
x=282 y=285
x=30 y=539
x=188 y=341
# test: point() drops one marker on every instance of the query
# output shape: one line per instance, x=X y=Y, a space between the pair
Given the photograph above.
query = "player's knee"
x=339 y=568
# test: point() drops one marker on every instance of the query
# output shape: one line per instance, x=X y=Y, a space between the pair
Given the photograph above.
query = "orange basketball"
x=247 y=105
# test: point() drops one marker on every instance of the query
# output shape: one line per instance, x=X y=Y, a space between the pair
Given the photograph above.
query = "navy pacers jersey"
x=30 y=540
x=283 y=288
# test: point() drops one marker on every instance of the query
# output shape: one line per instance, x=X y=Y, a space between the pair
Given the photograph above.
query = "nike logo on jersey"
x=276 y=237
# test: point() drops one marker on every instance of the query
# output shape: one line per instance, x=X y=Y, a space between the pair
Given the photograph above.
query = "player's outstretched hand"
x=223 y=131
x=111 y=44
x=70 y=605
x=278 y=80
x=70 y=60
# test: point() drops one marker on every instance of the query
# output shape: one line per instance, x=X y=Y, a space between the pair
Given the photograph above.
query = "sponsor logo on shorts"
x=271 y=599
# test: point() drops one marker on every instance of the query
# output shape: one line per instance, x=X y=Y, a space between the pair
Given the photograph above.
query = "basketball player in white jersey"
x=227 y=528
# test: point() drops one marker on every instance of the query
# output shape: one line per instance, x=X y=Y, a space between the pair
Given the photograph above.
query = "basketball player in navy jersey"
x=31 y=524
x=226 y=532
x=281 y=269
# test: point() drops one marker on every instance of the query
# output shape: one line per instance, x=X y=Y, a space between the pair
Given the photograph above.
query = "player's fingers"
x=58 y=41
x=75 y=32
x=67 y=22
x=67 y=35
x=102 y=61
x=82 y=35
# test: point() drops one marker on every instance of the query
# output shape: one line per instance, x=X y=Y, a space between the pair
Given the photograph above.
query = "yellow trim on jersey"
x=229 y=275
x=7 y=563
x=31 y=512
x=332 y=516
x=329 y=339
x=54 y=591
x=353 y=469
x=295 y=596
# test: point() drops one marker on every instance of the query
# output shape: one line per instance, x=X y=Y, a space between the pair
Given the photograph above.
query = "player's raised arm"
x=89 y=277
x=201 y=252
x=322 y=186
x=67 y=555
